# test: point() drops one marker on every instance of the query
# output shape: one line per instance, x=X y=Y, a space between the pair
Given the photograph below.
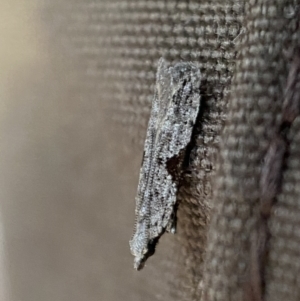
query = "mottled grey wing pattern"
x=174 y=111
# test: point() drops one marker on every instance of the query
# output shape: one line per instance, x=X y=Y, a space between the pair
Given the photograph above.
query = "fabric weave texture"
x=102 y=67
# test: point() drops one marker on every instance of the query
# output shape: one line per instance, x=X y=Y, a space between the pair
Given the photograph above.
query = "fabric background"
x=78 y=80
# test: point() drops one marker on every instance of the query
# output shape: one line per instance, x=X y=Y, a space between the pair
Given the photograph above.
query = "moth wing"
x=172 y=139
x=139 y=243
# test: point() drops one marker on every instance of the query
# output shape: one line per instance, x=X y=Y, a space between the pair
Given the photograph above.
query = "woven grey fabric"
x=68 y=223
x=119 y=44
x=254 y=113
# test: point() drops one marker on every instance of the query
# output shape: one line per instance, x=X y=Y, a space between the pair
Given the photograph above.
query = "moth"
x=175 y=107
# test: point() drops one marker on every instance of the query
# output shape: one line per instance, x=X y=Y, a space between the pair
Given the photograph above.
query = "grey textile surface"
x=72 y=133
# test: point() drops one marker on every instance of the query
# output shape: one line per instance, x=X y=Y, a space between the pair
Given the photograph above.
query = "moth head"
x=186 y=72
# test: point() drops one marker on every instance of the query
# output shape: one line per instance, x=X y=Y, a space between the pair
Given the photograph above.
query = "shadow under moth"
x=174 y=111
